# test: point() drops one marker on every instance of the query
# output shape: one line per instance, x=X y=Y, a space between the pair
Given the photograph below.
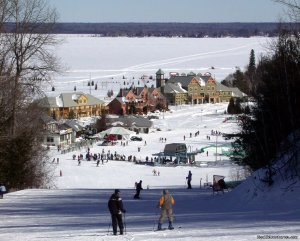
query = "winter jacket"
x=115 y=204
x=139 y=186
x=2 y=189
x=189 y=177
x=166 y=201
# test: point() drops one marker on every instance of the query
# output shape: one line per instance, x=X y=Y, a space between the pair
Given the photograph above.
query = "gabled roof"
x=221 y=87
x=237 y=93
x=204 y=78
x=117 y=131
x=74 y=125
x=130 y=121
x=173 y=148
x=70 y=100
x=63 y=127
x=47 y=119
x=173 y=88
x=119 y=99
x=183 y=80
x=123 y=92
x=138 y=90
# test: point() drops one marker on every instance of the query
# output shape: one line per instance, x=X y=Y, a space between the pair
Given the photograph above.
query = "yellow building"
x=199 y=89
x=73 y=106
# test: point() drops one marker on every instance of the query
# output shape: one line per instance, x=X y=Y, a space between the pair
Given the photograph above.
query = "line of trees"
x=188 y=30
x=26 y=62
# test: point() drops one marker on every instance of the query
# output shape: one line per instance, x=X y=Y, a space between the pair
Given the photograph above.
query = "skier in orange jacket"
x=165 y=203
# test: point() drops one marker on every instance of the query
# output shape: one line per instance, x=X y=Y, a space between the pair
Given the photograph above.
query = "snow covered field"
x=75 y=208
x=106 y=60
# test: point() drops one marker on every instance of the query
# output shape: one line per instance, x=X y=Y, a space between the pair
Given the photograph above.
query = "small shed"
x=178 y=151
x=175 y=148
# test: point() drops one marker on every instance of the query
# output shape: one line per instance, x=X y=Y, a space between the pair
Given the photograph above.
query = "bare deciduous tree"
x=293 y=8
x=26 y=62
x=30 y=44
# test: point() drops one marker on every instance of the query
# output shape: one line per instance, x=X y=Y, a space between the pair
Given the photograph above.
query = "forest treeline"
x=189 y=30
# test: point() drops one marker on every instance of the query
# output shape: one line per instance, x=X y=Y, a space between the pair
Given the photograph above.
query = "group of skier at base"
x=115 y=206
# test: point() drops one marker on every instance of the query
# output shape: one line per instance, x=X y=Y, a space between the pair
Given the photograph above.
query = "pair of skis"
x=164 y=229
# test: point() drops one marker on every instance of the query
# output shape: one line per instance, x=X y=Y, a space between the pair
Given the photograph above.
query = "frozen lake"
x=107 y=61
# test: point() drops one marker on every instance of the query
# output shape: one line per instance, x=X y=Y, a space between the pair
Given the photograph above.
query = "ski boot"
x=159 y=226
x=170 y=226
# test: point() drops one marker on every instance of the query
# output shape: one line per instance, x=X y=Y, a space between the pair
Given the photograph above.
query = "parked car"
x=136 y=138
x=105 y=143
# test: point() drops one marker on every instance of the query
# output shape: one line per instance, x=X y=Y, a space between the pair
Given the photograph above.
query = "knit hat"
x=165 y=191
x=117 y=191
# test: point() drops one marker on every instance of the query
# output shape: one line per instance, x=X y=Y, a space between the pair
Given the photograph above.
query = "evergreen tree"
x=231 y=106
x=238 y=107
x=251 y=66
x=251 y=71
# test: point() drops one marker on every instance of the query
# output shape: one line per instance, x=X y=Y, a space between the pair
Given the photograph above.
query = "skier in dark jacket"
x=138 y=190
x=189 y=179
x=115 y=206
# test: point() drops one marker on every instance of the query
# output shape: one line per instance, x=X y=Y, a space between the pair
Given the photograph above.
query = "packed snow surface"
x=75 y=208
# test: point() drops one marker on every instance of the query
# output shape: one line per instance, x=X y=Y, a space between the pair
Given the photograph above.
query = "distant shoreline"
x=184 y=30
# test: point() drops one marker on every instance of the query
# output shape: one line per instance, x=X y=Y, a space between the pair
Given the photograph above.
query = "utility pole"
x=217 y=134
x=90 y=84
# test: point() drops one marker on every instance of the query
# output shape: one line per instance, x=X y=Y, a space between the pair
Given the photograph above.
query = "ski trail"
x=92 y=78
x=183 y=59
x=157 y=63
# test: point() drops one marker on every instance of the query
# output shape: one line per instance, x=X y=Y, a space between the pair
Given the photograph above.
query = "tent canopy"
x=117 y=131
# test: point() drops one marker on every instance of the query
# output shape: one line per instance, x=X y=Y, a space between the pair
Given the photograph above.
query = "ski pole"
x=125 y=223
x=155 y=218
x=108 y=228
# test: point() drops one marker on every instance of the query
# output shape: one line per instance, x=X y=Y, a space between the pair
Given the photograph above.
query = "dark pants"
x=116 y=220
x=189 y=184
x=137 y=195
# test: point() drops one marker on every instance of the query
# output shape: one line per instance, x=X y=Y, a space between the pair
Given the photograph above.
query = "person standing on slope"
x=2 y=190
x=115 y=206
x=189 y=179
x=165 y=203
x=138 y=190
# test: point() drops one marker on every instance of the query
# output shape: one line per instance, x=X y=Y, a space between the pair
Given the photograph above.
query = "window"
x=50 y=139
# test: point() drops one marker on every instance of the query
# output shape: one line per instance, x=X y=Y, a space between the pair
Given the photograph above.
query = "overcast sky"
x=168 y=10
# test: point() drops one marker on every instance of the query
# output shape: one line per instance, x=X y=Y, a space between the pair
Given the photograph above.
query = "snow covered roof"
x=174 y=88
x=71 y=100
